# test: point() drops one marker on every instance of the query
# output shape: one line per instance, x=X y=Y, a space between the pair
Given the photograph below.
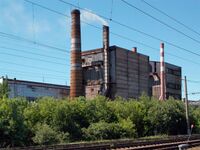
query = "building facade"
x=172 y=80
x=33 y=90
x=128 y=73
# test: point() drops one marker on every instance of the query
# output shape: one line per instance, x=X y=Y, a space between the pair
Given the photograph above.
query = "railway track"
x=168 y=143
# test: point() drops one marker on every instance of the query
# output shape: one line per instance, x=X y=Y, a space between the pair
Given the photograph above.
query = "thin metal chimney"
x=76 y=75
x=162 y=73
x=106 y=59
x=134 y=49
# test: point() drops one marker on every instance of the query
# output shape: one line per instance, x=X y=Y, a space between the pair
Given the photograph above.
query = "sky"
x=35 y=42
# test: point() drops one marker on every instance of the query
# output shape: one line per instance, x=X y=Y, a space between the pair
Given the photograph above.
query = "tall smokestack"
x=162 y=73
x=106 y=59
x=76 y=76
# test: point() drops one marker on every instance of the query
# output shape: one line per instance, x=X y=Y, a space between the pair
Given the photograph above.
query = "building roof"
x=167 y=64
x=99 y=50
x=195 y=103
x=36 y=83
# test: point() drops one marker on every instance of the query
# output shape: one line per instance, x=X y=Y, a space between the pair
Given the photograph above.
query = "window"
x=176 y=72
x=174 y=86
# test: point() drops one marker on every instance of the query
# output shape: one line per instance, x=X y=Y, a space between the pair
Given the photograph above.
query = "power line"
x=8 y=35
x=123 y=37
x=160 y=21
x=101 y=29
x=133 y=29
x=33 y=23
x=34 y=73
x=111 y=10
x=47 y=8
x=32 y=48
x=20 y=50
x=194 y=93
x=193 y=81
x=32 y=67
x=172 y=18
x=20 y=56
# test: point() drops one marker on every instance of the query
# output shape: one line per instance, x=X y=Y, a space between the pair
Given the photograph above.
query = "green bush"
x=103 y=130
x=45 y=135
x=13 y=131
x=49 y=121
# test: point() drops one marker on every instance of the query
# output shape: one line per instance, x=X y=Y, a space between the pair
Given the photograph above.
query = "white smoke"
x=90 y=17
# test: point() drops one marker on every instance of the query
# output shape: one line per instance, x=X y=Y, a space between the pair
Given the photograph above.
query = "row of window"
x=173 y=86
x=174 y=72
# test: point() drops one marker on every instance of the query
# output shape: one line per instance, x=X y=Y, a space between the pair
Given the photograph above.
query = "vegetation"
x=53 y=121
x=4 y=89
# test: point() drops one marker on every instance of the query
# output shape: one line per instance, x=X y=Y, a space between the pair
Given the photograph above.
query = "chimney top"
x=75 y=11
x=161 y=45
x=134 y=49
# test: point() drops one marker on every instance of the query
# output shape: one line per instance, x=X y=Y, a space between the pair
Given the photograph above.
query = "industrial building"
x=33 y=90
x=114 y=71
x=172 y=80
x=111 y=71
x=128 y=73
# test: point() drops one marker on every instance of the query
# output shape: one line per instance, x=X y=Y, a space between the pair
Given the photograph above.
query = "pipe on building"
x=76 y=74
x=162 y=73
x=106 y=59
x=134 y=49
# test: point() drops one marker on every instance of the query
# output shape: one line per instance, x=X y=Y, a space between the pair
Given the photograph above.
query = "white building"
x=32 y=90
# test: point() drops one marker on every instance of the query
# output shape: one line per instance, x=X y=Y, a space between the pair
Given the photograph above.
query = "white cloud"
x=88 y=17
x=15 y=17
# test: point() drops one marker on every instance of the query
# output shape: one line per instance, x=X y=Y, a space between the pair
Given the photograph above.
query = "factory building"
x=33 y=90
x=111 y=71
x=114 y=71
x=128 y=73
x=172 y=80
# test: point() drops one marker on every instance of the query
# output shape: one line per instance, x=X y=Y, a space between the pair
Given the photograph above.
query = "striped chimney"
x=76 y=76
x=162 y=73
x=106 y=58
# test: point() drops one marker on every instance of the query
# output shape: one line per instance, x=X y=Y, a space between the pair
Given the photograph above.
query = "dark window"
x=174 y=72
x=174 y=86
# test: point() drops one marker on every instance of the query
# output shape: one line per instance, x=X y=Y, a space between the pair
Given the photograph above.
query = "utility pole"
x=186 y=107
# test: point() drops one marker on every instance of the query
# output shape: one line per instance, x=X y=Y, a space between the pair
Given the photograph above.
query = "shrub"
x=45 y=135
x=104 y=130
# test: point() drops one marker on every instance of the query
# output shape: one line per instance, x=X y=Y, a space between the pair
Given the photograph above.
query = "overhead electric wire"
x=193 y=93
x=111 y=10
x=172 y=18
x=21 y=56
x=32 y=47
x=8 y=35
x=134 y=29
x=193 y=81
x=33 y=73
x=32 y=67
x=47 y=8
x=123 y=37
x=160 y=21
x=28 y=52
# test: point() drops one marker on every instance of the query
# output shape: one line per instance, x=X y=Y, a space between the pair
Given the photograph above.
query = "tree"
x=13 y=131
x=45 y=135
x=4 y=89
